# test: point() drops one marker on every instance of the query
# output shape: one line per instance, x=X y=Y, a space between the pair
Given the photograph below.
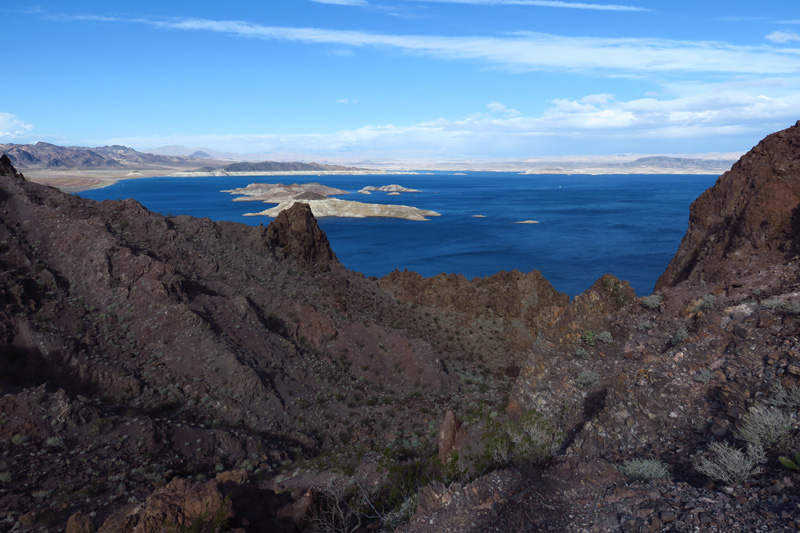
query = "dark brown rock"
x=295 y=232
x=749 y=218
x=80 y=523
x=448 y=435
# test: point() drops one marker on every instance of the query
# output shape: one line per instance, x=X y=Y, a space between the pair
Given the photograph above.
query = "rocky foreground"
x=170 y=373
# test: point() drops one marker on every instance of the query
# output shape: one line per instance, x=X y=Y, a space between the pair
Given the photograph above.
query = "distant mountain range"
x=53 y=157
x=50 y=156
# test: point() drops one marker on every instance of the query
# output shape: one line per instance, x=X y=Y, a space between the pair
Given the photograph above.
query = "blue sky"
x=403 y=79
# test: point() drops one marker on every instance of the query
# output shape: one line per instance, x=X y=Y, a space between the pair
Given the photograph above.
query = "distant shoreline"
x=72 y=181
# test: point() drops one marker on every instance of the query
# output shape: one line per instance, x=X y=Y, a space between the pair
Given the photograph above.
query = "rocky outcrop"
x=750 y=218
x=295 y=233
x=7 y=168
x=187 y=346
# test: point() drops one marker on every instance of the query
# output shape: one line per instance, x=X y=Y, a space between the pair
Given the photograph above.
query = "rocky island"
x=317 y=195
x=167 y=373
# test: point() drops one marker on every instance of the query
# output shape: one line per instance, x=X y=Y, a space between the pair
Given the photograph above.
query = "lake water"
x=629 y=225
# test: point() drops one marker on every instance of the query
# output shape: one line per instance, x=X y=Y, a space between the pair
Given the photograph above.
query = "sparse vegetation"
x=680 y=335
x=782 y=397
x=587 y=379
x=589 y=338
x=528 y=440
x=764 y=426
x=644 y=325
x=581 y=353
x=704 y=375
x=605 y=337
x=652 y=302
x=643 y=469
x=730 y=465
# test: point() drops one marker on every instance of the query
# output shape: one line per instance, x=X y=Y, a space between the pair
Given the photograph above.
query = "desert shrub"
x=680 y=335
x=643 y=469
x=528 y=440
x=784 y=398
x=644 y=325
x=764 y=426
x=581 y=353
x=5 y=477
x=772 y=303
x=605 y=337
x=54 y=442
x=589 y=338
x=729 y=464
x=19 y=439
x=706 y=302
x=704 y=376
x=587 y=379
x=652 y=302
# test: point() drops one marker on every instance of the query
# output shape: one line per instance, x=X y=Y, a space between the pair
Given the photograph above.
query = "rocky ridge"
x=113 y=341
x=146 y=349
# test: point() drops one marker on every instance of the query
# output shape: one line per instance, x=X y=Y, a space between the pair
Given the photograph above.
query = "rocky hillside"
x=690 y=375
x=145 y=349
x=171 y=373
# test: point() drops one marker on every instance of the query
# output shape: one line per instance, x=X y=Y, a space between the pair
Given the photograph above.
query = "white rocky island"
x=393 y=190
x=317 y=196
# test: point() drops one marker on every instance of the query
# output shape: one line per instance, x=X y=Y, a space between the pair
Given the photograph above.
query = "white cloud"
x=12 y=127
x=545 y=3
x=783 y=37
x=595 y=123
x=533 y=51
x=342 y=2
x=346 y=101
x=497 y=107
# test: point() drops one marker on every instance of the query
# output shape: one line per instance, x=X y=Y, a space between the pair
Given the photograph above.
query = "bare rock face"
x=7 y=168
x=750 y=218
x=180 y=505
x=295 y=233
x=448 y=435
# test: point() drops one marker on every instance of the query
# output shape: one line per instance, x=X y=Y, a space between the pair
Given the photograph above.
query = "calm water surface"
x=629 y=225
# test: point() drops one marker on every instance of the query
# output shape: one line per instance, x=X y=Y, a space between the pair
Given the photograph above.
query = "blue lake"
x=629 y=225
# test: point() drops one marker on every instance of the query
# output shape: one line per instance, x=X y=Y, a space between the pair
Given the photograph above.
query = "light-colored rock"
x=334 y=207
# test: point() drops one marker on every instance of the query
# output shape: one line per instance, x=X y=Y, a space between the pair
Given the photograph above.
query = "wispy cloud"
x=783 y=37
x=531 y=51
x=12 y=127
x=544 y=3
x=346 y=101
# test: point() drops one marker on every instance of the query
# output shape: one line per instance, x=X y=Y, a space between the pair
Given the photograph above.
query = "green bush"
x=581 y=353
x=604 y=337
x=54 y=442
x=643 y=469
x=704 y=376
x=644 y=325
x=587 y=379
x=652 y=302
x=19 y=439
x=680 y=335
x=589 y=338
